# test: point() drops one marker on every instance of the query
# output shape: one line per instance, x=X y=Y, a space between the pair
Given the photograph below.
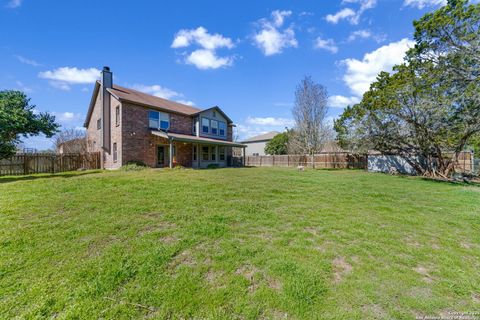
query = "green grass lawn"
x=237 y=243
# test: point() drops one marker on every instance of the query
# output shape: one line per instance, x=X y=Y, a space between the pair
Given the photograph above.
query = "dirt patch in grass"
x=425 y=273
x=341 y=268
x=420 y=292
x=184 y=258
x=249 y=272
x=375 y=310
x=476 y=297
x=168 y=239
x=157 y=226
x=312 y=230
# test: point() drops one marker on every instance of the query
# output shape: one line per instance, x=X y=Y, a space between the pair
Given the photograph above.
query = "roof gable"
x=142 y=98
x=263 y=137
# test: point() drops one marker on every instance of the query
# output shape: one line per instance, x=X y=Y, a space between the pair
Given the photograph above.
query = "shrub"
x=212 y=166
x=133 y=167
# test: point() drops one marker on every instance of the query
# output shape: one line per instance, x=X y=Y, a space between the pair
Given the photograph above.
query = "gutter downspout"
x=170 y=153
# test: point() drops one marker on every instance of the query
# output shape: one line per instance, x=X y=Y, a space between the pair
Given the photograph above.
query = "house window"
x=194 y=153
x=99 y=124
x=222 y=128
x=205 y=125
x=158 y=120
x=255 y=154
x=213 y=153
x=164 y=121
x=114 y=152
x=153 y=120
x=214 y=125
x=205 y=153
x=214 y=114
x=221 y=153
x=194 y=127
x=117 y=116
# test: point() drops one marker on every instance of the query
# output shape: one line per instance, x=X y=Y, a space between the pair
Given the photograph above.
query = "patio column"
x=244 y=156
x=198 y=155
x=170 y=153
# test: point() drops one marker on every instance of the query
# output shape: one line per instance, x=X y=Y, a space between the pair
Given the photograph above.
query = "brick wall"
x=94 y=135
x=139 y=144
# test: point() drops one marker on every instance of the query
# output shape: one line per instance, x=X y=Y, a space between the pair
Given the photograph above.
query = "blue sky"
x=244 y=56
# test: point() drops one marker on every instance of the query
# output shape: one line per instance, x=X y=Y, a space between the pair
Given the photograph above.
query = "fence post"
x=273 y=161
x=25 y=164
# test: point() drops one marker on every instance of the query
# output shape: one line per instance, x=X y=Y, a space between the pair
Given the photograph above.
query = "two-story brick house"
x=129 y=125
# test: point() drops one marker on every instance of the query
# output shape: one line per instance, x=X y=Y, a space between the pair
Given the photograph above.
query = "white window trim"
x=159 y=119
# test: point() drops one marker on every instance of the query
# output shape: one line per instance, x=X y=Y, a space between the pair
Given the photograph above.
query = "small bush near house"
x=212 y=166
x=133 y=166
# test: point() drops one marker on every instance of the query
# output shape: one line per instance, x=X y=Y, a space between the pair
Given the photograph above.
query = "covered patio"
x=205 y=151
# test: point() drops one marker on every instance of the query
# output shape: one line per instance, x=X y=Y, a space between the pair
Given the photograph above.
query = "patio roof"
x=195 y=139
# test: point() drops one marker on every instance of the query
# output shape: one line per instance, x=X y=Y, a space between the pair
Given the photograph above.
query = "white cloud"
x=270 y=121
x=206 y=57
x=340 y=15
x=14 y=4
x=201 y=37
x=62 y=78
x=349 y=14
x=187 y=102
x=326 y=44
x=365 y=34
x=27 y=61
x=162 y=92
x=279 y=17
x=60 y=85
x=22 y=87
x=420 y=4
x=271 y=39
x=157 y=90
x=69 y=119
x=342 y=101
x=361 y=73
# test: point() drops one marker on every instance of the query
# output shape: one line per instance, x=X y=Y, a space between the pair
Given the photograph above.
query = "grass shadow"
x=7 y=179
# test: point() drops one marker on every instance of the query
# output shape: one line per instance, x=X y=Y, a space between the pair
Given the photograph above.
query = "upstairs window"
x=117 y=116
x=99 y=124
x=222 y=128
x=115 y=156
x=158 y=120
x=205 y=125
x=214 y=126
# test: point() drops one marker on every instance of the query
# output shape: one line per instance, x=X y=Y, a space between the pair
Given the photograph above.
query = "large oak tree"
x=18 y=118
x=428 y=110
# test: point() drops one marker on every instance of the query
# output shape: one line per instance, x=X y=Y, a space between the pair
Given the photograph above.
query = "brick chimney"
x=107 y=82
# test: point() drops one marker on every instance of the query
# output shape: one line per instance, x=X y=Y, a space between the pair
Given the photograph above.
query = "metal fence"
x=327 y=160
x=28 y=163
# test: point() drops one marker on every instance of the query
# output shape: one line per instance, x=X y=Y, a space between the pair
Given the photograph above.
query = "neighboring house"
x=129 y=125
x=77 y=145
x=256 y=145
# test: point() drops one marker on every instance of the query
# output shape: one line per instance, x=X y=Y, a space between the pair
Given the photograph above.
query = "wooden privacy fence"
x=327 y=160
x=28 y=163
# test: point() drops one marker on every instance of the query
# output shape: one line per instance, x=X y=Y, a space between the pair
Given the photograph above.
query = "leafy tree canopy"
x=278 y=145
x=17 y=119
x=428 y=110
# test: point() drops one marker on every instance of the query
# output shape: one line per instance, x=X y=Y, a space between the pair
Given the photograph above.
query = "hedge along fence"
x=28 y=163
x=326 y=160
